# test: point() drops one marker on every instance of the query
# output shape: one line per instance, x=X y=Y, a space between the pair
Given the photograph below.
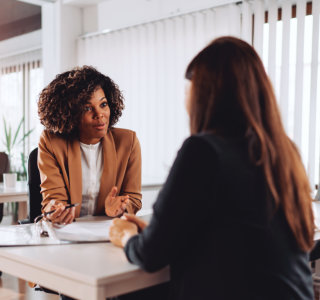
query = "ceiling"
x=13 y=10
x=18 y=18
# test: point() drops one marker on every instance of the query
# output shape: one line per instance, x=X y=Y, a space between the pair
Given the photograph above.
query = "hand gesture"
x=121 y=231
x=61 y=215
x=115 y=205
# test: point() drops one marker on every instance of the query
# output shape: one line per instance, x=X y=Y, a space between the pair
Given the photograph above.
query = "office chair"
x=34 y=181
x=35 y=197
x=4 y=168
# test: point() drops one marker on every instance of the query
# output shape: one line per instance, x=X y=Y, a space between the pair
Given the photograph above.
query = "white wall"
x=89 y=19
x=21 y=49
x=20 y=44
x=149 y=196
x=61 y=25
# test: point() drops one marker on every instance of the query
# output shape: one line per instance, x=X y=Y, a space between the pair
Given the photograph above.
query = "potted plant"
x=11 y=141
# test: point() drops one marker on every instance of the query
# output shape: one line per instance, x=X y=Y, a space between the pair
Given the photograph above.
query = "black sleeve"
x=179 y=209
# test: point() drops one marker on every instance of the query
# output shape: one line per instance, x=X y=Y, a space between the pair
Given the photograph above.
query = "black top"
x=213 y=225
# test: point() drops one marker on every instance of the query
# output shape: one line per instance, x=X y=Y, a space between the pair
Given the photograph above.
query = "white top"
x=92 y=165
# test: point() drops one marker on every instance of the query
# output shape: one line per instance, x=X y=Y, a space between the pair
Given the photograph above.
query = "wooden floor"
x=12 y=288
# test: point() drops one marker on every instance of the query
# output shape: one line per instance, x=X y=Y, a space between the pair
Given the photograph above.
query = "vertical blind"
x=148 y=62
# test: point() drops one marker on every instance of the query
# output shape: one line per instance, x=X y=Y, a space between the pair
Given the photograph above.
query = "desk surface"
x=16 y=194
x=83 y=271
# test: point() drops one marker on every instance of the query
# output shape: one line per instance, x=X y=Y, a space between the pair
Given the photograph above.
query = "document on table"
x=82 y=231
x=24 y=235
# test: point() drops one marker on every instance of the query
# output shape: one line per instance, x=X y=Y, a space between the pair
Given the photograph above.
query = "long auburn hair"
x=232 y=95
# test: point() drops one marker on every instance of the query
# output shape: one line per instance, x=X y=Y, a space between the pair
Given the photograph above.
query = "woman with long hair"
x=234 y=218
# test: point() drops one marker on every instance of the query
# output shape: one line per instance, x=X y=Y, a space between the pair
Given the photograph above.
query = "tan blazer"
x=59 y=162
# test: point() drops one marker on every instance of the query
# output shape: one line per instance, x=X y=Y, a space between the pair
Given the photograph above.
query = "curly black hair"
x=62 y=102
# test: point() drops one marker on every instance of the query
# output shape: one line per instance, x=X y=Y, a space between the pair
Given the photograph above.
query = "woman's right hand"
x=134 y=219
x=61 y=214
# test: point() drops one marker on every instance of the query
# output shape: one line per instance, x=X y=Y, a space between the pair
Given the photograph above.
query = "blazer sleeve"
x=179 y=211
x=52 y=185
x=131 y=184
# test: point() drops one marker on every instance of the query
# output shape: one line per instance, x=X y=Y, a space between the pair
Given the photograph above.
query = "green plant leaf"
x=17 y=132
x=7 y=144
x=25 y=135
x=23 y=161
x=9 y=140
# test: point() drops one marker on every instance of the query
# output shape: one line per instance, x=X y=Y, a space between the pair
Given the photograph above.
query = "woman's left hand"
x=121 y=231
x=115 y=205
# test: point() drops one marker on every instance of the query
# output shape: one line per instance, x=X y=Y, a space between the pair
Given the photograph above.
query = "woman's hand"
x=134 y=219
x=115 y=205
x=121 y=231
x=61 y=214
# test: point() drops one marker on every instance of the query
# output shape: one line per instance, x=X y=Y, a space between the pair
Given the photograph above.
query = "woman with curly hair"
x=82 y=157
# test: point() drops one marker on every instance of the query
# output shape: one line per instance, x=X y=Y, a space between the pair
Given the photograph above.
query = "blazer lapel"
x=75 y=173
x=108 y=177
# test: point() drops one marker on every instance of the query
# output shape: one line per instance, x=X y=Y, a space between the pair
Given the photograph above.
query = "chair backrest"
x=35 y=197
x=4 y=164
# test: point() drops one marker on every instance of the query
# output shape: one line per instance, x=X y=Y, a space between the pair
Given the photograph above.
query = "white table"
x=83 y=271
x=16 y=194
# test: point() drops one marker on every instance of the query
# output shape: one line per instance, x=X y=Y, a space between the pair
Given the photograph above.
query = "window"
x=19 y=89
x=290 y=52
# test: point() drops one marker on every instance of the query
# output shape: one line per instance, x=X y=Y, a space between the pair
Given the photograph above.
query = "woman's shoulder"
x=122 y=134
x=210 y=143
x=124 y=139
x=47 y=135
x=52 y=138
x=217 y=141
x=204 y=139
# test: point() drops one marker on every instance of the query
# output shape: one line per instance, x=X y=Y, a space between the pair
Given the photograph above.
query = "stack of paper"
x=82 y=231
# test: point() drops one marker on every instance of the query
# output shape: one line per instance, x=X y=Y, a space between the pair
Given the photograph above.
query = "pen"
x=52 y=211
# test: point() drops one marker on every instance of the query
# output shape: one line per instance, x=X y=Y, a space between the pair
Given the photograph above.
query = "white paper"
x=85 y=229
x=24 y=235
x=81 y=231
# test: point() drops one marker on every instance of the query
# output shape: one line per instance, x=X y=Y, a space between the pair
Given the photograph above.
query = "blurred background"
x=145 y=46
